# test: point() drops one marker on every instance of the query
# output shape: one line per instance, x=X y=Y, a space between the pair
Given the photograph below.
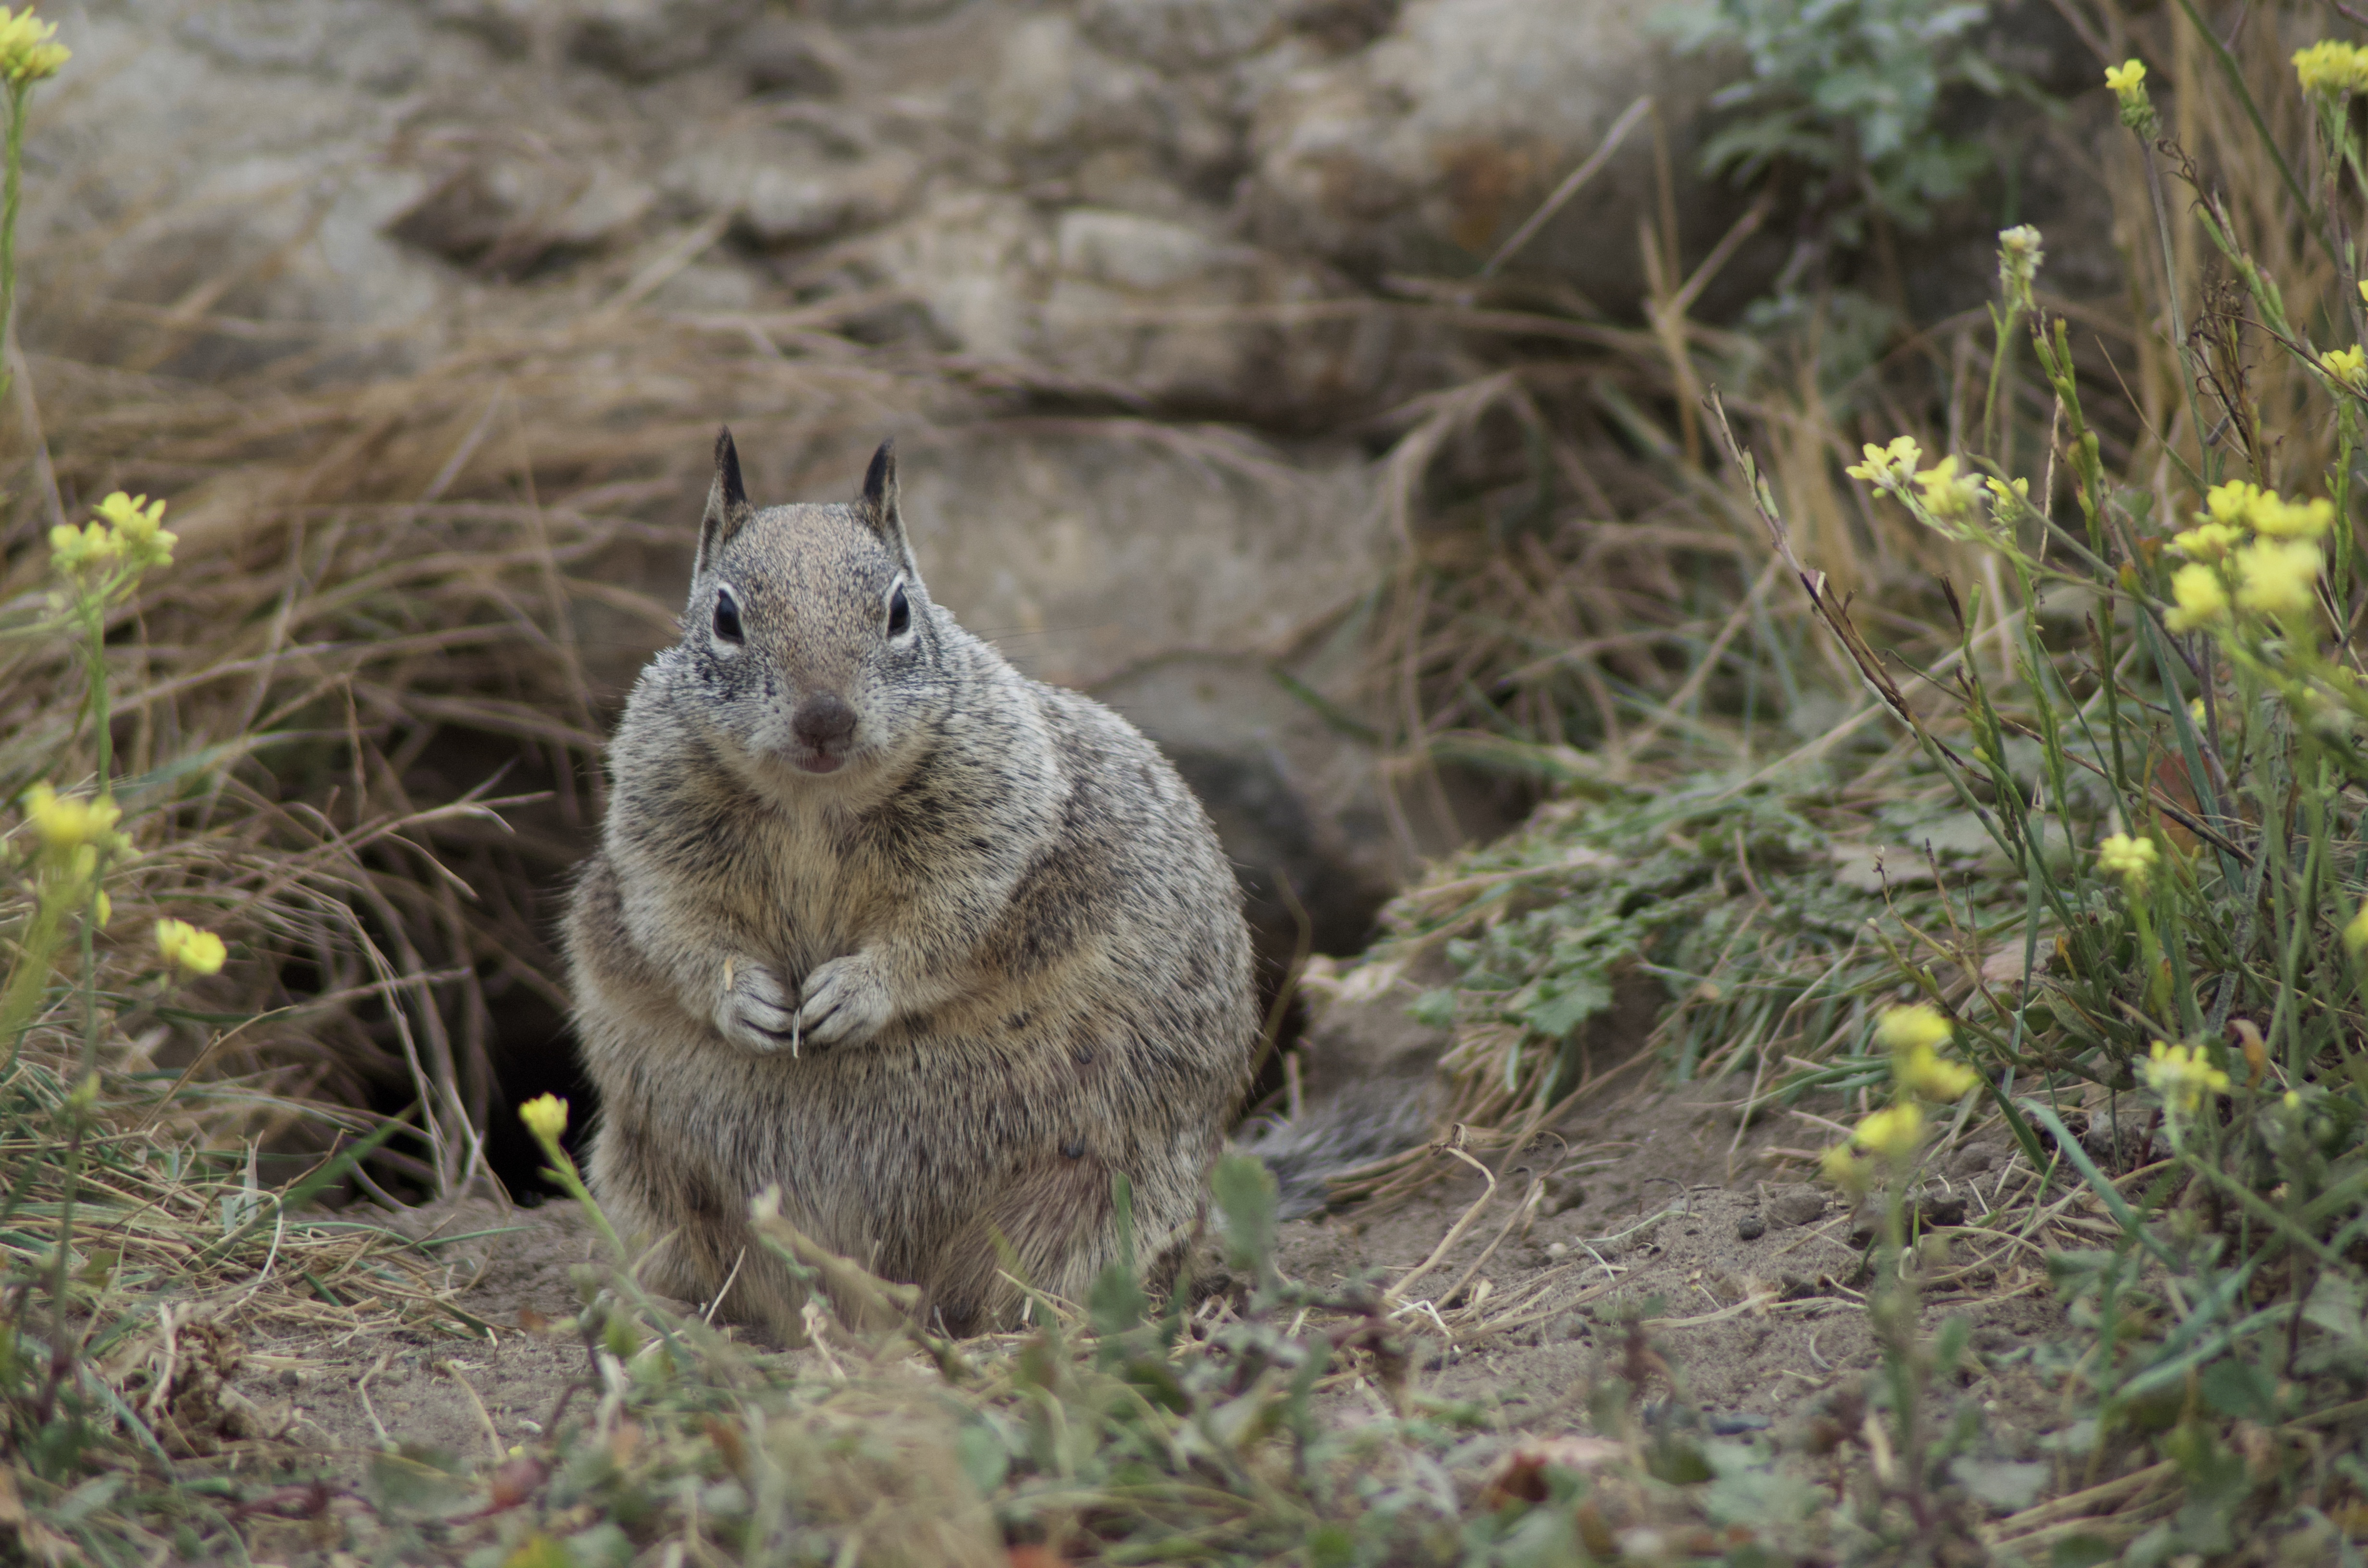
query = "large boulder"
x=1426 y=150
x=229 y=160
x=1159 y=310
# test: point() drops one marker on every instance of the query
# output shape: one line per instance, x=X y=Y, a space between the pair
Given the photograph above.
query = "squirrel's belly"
x=889 y=1151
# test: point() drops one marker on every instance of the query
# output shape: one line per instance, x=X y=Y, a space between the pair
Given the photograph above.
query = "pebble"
x=1751 y=1227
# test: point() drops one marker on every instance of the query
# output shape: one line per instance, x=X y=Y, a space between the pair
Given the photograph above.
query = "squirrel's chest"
x=811 y=883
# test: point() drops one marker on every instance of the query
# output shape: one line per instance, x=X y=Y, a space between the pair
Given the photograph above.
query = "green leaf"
x=984 y=1459
x=1434 y=1009
x=2239 y=1388
x=602 y=1546
x=418 y=1480
x=87 y=1499
x=2007 y=1485
x=1245 y=1196
x=2337 y=1304
x=1569 y=1001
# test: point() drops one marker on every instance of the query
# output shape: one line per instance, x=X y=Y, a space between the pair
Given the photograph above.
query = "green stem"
x=19 y=95
x=2004 y=322
x=2171 y=295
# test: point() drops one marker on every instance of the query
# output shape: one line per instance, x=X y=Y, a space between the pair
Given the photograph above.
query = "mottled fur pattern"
x=935 y=948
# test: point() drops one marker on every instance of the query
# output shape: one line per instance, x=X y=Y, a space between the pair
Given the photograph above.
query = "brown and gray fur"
x=936 y=948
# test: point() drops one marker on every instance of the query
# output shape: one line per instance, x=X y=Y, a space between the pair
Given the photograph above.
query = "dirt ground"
x=1662 y=1208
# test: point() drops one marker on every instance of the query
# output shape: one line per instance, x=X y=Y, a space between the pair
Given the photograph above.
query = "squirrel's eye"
x=727 y=616
x=900 y=614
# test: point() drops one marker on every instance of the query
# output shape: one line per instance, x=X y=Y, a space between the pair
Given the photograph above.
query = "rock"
x=972 y=259
x=1157 y=310
x=1751 y=1227
x=710 y=288
x=1426 y=150
x=1563 y=1194
x=1052 y=95
x=889 y=13
x=794 y=185
x=643 y=40
x=781 y=54
x=236 y=156
x=1359 y=1030
x=1199 y=325
x=1800 y=1205
x=2117 y=1143
x=509 y=27
x=1976 y=1158
x=1173 y=33
x=1936 y=1206
x=504 y=210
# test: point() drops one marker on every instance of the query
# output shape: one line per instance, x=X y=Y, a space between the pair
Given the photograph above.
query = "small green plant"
x=2207 y=942
x=1850 y=92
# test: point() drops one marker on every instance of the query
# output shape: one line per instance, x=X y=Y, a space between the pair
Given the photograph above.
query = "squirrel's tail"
x=1355 y=1126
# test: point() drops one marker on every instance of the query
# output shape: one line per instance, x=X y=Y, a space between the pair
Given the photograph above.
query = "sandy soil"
x=1670 y=1212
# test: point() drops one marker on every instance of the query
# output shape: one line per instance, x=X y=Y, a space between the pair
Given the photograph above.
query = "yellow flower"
x=2183 y=1078
x=185 y=947
x=2355 y=932
x=2208 y=541
x=1926 y=1074
x=137 y=525
x=2291 y=519
x=2229 y=503
x=73 y=550
x=2132 y=859
x=1944 y=493
x=2275 y=577
x=2127 y=81
x=1891 y=1134
x=66 y=823
x=546 y=1117
x=1890 y=465
x=2201 y=598
x=1843 y=1166
x=26 y=53
x=2347 y=366
x=1907 y=1028
x=2329 y=66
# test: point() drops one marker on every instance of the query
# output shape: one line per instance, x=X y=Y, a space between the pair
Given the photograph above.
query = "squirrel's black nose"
x=824 y=722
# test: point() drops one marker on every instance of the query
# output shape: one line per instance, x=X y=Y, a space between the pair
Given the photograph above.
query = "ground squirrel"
x=933 y=948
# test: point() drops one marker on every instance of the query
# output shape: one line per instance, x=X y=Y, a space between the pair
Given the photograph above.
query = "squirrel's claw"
x=844 y=1004
x=755 y=1011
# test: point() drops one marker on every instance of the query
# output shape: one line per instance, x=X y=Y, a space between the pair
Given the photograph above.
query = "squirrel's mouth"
x=815 y=759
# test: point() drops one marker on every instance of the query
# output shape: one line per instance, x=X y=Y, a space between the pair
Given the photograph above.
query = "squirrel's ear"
x=727 y=502
x=878 y=504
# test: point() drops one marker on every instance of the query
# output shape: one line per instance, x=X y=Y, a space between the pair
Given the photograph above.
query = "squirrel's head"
x=808 y=629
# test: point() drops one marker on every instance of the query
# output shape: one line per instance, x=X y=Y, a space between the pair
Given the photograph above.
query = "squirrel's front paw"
x=756 y=1011
x=846 y=1001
